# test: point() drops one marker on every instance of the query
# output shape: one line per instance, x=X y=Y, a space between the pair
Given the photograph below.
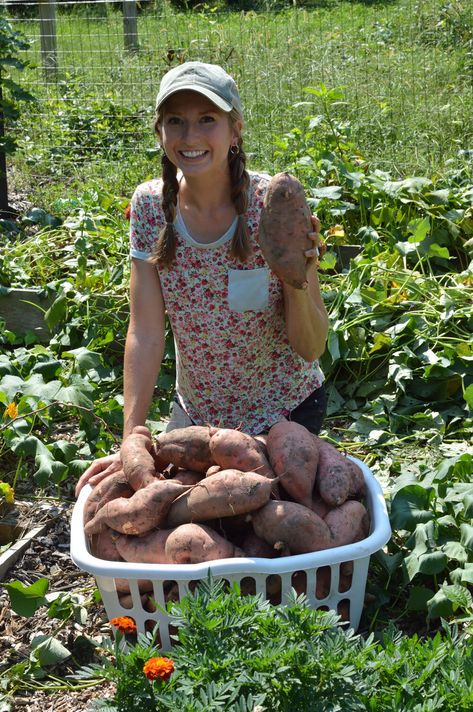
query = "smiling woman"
x=247 y=341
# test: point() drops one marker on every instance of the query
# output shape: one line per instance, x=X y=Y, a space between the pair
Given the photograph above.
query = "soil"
x=48 y=556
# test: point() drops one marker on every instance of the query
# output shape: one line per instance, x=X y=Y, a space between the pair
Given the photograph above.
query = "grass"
x=407 y=69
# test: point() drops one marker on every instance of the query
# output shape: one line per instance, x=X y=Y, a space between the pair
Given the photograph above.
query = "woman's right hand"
x=98 y=470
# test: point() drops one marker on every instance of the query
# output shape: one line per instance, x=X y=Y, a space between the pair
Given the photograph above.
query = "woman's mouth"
x=192 y=155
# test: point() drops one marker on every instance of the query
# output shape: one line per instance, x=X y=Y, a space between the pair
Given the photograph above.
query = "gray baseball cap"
x=208 y=79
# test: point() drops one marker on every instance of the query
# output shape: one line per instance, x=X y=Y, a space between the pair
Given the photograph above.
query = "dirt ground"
x=48 y=556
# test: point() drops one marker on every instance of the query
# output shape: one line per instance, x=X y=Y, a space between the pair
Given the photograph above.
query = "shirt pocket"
x=248 y=289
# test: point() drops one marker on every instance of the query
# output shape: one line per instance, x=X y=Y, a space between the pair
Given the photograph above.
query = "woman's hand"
x=319 y=249
x=99 y=470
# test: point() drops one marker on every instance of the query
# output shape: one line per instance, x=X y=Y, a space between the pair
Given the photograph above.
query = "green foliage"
x=82 y=125
x=429 y=560
x=239 y=653
x=12 y=44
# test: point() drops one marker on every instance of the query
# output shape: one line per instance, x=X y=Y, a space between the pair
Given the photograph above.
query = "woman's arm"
x=144 y=347
x=306 y=318
x=144 y=350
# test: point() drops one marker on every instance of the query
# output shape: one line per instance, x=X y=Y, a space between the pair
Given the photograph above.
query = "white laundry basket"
x=344 y=571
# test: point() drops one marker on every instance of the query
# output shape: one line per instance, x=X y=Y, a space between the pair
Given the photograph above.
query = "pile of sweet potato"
x=203 y=493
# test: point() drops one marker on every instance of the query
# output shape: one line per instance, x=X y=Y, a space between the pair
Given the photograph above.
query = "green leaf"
x=410 y=505
x=47 y=650
x=467 y=574
x=56 y=312
x=418 y=597
x=332 y=192
x=468 y=504
x=419 y=229
x=454 y=550
x=429 y=563
x=439 y=606
x=85 y=358
x=466 y=535
x=25 y=600
x=468 y=395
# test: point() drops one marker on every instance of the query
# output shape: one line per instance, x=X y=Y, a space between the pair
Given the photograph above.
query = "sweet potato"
x=137 y=461
x=213 y=469
x=146 y=549
x=293 y=455
x=292 y=525
x=237 y=450
x=109 y=488
x=186 y=447
x=283 y=229
x=144 y=511
x=348 y=523
x=225 y=494
x=186 y=477
x=255 y=547
x=194 y=543
x=320 y=507
x=334 y=478
x=103 y=545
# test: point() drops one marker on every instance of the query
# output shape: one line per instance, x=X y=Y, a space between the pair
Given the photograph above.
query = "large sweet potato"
x=337 y=477
x=225 y=494
x=239 y=451
x=348 y=523
x=111 y=487
x=293 y=525
x=137 y=459
x=144 y=511
x=293 y=454
x=283 y=229
x=193 y=543
x=146 y=549
x=188 y=448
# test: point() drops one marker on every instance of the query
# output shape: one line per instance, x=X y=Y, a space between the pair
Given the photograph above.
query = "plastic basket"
x=306 y=572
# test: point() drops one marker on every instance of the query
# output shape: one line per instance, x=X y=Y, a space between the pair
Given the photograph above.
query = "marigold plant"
x=158 y=668
x=124 y=624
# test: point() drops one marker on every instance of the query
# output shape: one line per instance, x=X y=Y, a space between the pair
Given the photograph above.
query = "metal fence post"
x=47 y=15
x=5 y=210
x=130 y=26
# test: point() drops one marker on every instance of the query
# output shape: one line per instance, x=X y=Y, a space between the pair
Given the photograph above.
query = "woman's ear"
x=237 y=128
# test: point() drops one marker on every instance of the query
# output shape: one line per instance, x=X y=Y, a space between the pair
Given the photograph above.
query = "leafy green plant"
x=243 y=654
x=12 y=45
x=432 y=544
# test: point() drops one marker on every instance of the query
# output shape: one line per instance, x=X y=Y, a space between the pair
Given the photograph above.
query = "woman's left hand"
x=314 y=253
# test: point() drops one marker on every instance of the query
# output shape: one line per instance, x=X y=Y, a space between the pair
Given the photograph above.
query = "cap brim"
x=214 y=98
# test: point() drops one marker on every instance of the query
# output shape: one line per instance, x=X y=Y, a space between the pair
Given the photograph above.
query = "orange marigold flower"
x=158 y=668
x=11 y=411
x=124 y=624
x=127 y=211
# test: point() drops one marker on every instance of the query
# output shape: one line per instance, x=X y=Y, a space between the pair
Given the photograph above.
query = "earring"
x=234 y=150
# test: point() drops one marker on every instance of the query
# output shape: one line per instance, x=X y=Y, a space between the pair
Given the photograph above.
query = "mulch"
x=48 y=557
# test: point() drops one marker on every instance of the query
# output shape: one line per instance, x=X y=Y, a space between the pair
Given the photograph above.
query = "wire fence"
x=96 y=66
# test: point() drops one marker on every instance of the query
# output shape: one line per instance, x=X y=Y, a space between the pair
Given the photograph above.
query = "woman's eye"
x=207 y=119
x=173 y=120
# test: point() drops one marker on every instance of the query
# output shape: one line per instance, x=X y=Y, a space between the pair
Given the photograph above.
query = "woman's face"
x=196 y=135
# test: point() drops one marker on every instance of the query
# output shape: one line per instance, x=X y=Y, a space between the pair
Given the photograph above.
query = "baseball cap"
x=208 y=79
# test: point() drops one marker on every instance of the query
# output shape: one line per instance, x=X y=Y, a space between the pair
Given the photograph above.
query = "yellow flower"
x=158 y=668
x=11 y=411
x=336 y=231
x=125 y=624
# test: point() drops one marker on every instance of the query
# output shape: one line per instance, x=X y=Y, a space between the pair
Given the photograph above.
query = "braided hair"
x=164 y=252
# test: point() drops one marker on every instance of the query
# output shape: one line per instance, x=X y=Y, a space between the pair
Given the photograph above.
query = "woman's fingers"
x=98 y=470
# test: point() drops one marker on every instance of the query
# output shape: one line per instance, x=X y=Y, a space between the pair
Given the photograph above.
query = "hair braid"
x=165 y=251
x=240 y=181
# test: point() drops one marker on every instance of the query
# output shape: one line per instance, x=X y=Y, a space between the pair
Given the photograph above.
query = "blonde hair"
x=164 y=253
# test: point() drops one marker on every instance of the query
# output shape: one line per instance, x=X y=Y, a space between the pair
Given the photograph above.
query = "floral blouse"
x=235 y=367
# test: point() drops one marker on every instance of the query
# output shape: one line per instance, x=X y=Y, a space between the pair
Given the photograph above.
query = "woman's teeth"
x=192 y=154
